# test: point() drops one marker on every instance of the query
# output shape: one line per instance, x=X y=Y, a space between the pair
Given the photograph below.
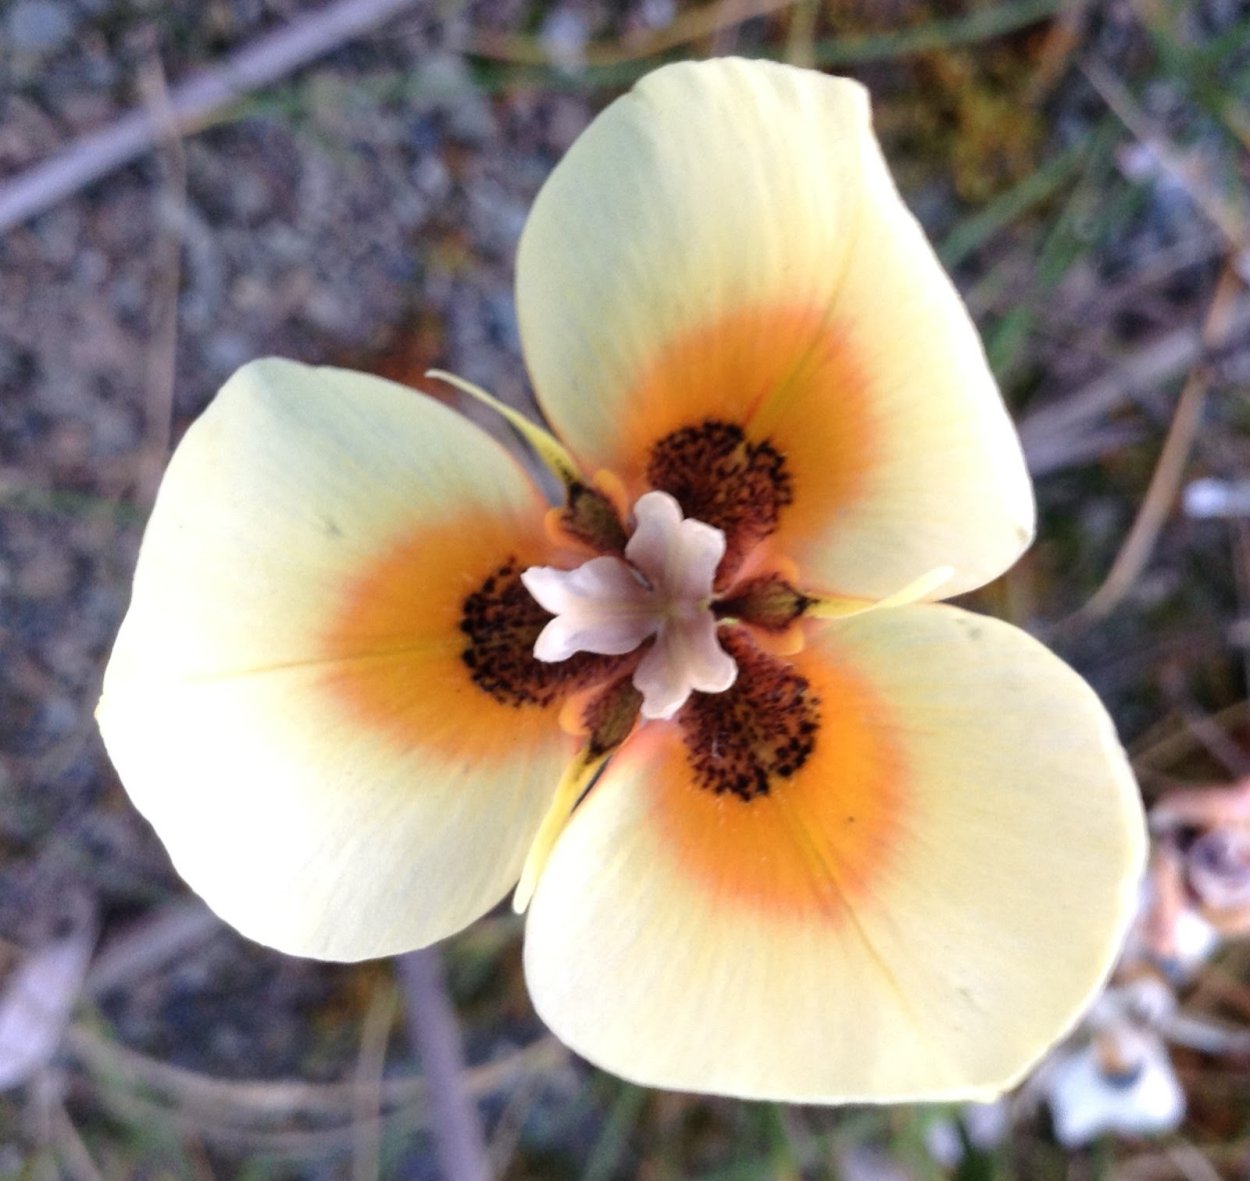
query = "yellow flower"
x=790 y=830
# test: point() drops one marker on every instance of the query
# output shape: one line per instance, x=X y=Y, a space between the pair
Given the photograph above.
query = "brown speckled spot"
x=756 y=734
x=720 y=477
x=501 y=620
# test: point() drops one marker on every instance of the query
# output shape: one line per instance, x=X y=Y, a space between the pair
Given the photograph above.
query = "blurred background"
x=188 y=184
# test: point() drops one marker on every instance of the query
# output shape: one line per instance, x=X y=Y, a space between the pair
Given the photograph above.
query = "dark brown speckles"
x=760 y=731
x=720 y=477
x=500 y=621
x=756 y=734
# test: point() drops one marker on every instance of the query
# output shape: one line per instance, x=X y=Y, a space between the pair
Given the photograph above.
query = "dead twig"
x=191 y=104
x=1050 y=433
x=374 y=1034
x=161 y=360
x=436 y=1038
x=1191 y=1163
x=70 y=1149
x=292 y=1120
x=1241 y=583
x=692 y=25
x=1165 y=482
x=1232 y=219
x=801 y=35
x=254 y=1104
x=1208 y=734
x=171 y=932
x=1172 y=739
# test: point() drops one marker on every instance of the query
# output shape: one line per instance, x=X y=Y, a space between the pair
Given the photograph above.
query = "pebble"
x=39 y=26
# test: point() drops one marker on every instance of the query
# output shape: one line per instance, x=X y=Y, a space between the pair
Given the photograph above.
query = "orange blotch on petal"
x=787 y=377
x=395 y=652
x=818 y=841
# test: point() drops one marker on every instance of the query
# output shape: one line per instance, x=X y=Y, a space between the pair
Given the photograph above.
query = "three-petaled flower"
x=784 y=826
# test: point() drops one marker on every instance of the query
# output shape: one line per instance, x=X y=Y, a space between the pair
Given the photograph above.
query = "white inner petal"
x=1145 y=1100
x=661 y=589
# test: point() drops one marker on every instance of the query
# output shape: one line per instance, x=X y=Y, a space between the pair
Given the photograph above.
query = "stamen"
x=769 y=602
x=661 y=590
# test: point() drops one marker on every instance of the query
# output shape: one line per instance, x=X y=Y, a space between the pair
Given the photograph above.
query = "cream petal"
x=289 y=700
x=946 y=483
x=806 y=308
x=917 y=912
x=312 y=835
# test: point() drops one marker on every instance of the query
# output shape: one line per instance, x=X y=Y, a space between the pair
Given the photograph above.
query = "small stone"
x=564 y=36
x=443 y=81
x=39 y=26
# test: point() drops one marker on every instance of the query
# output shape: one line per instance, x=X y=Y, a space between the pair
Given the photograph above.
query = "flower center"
x=660 y=591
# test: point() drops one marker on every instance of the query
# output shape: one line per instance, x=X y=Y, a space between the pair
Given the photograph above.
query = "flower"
x=1135 y=1093
x=1169 y=935
x=1203 y=856
x=786 y=827
x=1122 y=1079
